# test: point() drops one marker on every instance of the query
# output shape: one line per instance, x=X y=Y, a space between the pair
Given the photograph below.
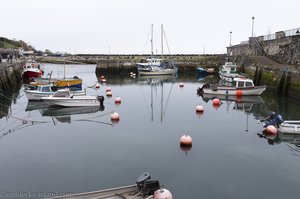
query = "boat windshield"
x=45 y=89
x=62 y=93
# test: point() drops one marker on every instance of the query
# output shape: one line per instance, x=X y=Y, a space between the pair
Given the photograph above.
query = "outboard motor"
x=274 y=119
x=145 y=186
x=101 y=100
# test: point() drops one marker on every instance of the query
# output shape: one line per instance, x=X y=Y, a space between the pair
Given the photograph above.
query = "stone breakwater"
x=10 y=84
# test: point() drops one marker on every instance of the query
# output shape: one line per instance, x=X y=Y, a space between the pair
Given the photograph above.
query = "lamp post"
x=230 y=38
x=252 y=26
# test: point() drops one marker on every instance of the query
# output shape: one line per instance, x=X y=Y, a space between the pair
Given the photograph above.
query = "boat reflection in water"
x=36 y=105
x=155 y=83
x=292 y=140
x=63 y=114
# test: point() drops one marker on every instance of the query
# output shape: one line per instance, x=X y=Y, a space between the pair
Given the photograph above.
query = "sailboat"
x=157 y=66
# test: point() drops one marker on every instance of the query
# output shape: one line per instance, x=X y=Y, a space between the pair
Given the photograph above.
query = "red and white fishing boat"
x=32 y=69
x=243 y=87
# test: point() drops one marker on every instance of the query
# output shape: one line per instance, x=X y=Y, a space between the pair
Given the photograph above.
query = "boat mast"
x=151 y=42
x=162 y=41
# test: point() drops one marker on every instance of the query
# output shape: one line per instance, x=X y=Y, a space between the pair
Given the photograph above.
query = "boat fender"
x=100 y=99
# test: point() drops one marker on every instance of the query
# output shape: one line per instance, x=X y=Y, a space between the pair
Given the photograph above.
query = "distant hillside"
x=7 y=43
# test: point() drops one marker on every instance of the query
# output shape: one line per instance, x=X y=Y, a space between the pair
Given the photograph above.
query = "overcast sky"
x=123 y=26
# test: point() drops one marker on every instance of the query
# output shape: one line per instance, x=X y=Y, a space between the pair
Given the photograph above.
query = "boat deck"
x=125 y=192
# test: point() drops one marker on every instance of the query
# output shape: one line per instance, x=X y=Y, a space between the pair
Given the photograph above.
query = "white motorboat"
x=229 y=71
x=243 y=86
x=290 y=126
x=46 y=91
x=66 y=99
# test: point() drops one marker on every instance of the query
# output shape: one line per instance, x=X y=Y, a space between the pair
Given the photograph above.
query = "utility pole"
x=230 y=38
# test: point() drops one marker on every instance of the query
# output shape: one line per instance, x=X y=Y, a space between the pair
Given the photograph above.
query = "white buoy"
x=108 y=93
x=115 y=116
x=162 y=194
x=199 y=108
x=181 y=84
x=186 y=140
x=97 y=85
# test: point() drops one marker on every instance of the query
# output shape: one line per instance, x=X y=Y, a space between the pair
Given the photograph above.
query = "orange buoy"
x=117 y=100
x=271 y=129
x=115 y=116
x=162 y=194
x=181 y=84
x=199 y=108
x=185 y=140
x=216 y=101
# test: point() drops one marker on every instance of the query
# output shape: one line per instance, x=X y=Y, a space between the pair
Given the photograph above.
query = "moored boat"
x=228 y=72
x=143 y=189
x=74 y=82
x=66 y=99
x=205 y=71
x=156 y=66
x=290 y=126
x=243 y=86
x=46 y=91
x=31 y=69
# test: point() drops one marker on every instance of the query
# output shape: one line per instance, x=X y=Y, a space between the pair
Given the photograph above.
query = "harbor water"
x=65 y=150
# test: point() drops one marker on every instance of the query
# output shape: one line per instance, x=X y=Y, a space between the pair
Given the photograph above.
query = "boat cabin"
x=243 y=83
x=62 y=93
x=229 y=67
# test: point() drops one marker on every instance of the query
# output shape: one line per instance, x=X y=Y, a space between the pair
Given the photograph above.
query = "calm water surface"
x=59 y=151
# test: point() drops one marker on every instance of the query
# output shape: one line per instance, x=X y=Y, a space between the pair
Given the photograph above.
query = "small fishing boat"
x=243 y=86
x=143 y=189
x=74 y=82
x=205 y=71
x=66 y=99
x=46 y=91
x=290 y=126
x=31 y=69
x=228 y=72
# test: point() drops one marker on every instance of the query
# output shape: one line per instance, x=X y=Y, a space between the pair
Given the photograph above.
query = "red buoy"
x=117 y=100
x=216 y=101
x=271 y=129
x=97 y=85
x=185 y=140
x=162 y=194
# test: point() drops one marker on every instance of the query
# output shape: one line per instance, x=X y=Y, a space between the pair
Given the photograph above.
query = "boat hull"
x=292 y=127
x=32 y=74
x=34 y=95
x=74 y=101
x=257 y=90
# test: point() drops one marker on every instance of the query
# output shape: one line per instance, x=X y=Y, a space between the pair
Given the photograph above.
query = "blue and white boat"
x=46 y=91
